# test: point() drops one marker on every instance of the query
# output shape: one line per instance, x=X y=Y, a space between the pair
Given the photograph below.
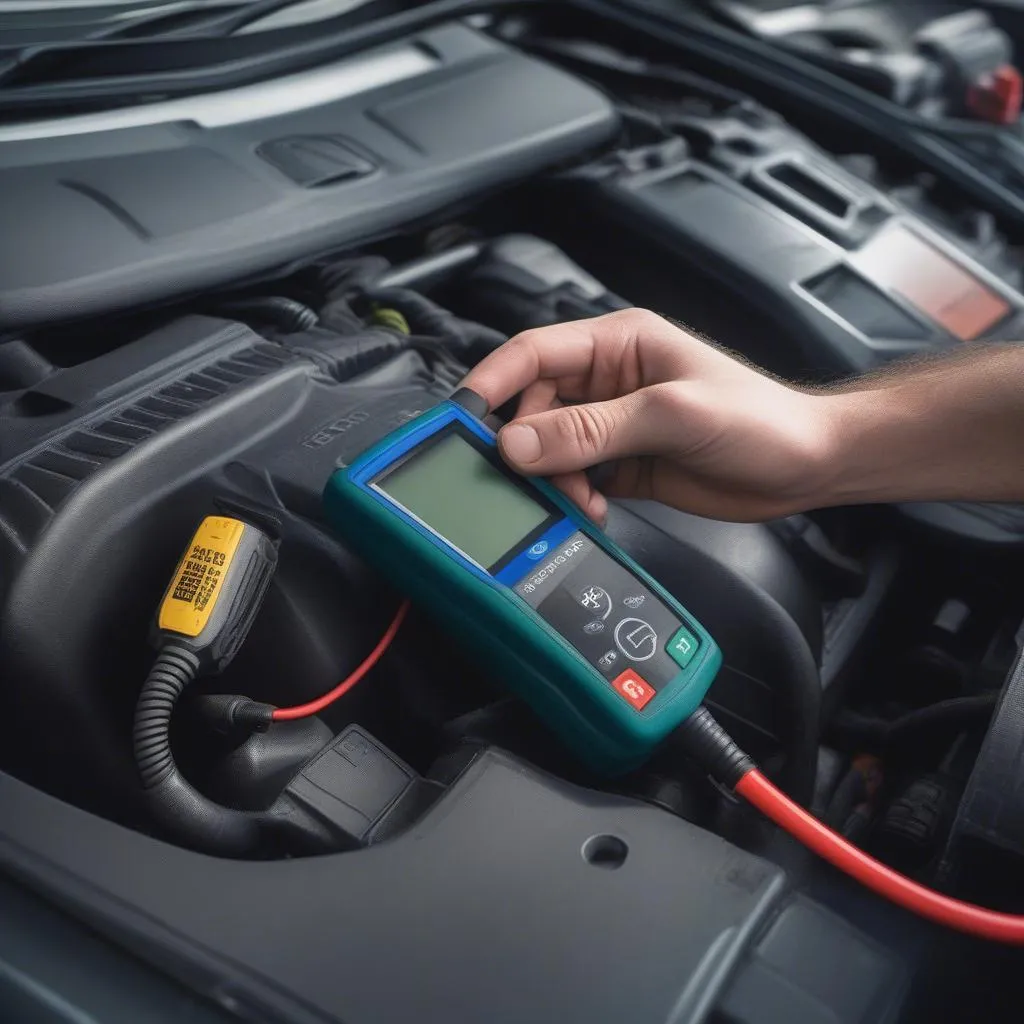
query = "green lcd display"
x=454 y=489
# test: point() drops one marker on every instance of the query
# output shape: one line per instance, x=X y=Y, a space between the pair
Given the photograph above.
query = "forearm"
x=944 y=430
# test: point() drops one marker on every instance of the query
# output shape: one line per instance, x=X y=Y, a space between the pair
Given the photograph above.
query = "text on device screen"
x=454 y=489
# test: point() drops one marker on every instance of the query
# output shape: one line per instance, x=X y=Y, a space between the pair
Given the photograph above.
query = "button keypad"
x=610 y=617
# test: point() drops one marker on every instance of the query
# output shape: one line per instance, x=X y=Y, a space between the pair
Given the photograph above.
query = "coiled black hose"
x=172 y=671
x=174 y=802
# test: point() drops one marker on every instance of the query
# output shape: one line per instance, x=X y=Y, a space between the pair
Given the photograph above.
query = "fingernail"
x=520 y=443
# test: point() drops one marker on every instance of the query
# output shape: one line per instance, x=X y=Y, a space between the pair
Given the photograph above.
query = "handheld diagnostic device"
x=526 y=582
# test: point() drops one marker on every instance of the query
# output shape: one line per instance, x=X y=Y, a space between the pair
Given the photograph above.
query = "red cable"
x=315 y=706
x=964 y=917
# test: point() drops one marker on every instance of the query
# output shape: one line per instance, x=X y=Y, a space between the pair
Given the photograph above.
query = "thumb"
x=578 y=436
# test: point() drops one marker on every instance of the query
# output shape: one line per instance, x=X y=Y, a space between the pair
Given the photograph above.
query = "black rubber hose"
x=938 y=719
x=174 y=802
x=172 y=671
x=850 y=792
x=290 y=315
x=802 y=731
x=346 y=357
x=468 y=340
x=344 y=279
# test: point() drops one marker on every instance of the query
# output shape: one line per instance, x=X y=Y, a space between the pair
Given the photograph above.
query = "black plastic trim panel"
x=110 y=219
x=487 y=909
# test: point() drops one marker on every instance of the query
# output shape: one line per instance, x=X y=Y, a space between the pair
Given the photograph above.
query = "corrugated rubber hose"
x=175 y=803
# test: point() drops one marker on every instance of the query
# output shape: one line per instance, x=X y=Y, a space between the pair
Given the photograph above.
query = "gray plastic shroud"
x=487 y=909
x=129 y=212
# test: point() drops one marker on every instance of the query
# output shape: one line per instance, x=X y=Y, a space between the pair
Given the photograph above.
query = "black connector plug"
x=231 y=714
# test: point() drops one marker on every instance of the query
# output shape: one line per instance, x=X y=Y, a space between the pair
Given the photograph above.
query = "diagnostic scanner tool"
x=525 y=581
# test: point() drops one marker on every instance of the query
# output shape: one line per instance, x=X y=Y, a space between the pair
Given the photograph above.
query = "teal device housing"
x=564 y=618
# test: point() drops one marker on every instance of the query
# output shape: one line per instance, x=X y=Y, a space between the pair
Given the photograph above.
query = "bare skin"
x=687 y=424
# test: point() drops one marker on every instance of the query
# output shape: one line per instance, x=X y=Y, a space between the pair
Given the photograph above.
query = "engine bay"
x=255 y=300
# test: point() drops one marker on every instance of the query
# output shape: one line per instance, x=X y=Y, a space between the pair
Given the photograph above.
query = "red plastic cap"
x=997 y=97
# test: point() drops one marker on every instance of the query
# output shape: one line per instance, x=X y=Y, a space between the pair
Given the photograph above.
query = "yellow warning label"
x=193 y=594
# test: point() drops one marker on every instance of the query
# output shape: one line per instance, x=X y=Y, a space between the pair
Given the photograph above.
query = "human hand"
x=684 y=422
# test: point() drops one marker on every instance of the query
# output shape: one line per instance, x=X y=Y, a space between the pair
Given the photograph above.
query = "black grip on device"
x=707 y=743
x=474 y=404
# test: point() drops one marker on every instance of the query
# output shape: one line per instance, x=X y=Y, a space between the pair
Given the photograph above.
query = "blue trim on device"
x=537 y=553
x=432 y=421
x=362 y=474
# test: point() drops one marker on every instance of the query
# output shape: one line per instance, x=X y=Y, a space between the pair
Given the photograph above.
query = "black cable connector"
x=251 y=714
x=232 y=714
x=701 y=738
x=206 y=613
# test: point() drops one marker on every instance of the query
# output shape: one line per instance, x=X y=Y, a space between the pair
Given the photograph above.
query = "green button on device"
x=682 y=647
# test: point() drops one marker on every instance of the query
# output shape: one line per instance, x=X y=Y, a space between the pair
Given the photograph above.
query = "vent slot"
x=812 y=188
x=220 y=373
x=24 y=511
x=74 y=467
x=246 y=365
x=154 y=421
x=88 y=443
x=260 y=359
x=122 y=430
x=51 y=488
x=202 y=379
x=168 y=409
x=188 y=393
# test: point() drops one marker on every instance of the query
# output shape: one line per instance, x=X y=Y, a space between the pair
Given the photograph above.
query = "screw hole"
x=605 y=852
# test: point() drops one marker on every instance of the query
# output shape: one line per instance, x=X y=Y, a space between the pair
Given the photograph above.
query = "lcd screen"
x=454 y=489
x=901 y=262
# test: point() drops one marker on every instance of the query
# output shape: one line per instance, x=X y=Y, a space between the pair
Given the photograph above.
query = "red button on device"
x=633 y=688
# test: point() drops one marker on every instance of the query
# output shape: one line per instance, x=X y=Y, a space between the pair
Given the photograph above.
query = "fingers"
x=550 y=352
x=575 y=437
x=540 y=396
x=631 y=348
x=579 y=490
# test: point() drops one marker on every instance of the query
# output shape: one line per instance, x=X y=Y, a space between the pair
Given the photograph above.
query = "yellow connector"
x=216 y=591
x=192 y=596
